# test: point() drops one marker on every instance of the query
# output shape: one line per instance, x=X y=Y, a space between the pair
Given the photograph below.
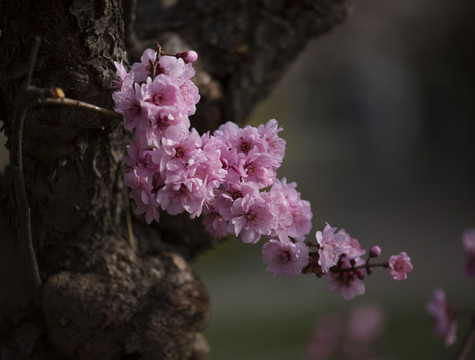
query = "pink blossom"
x=131 y=105
x=258 y=168
x=126 y=80
x=182 y=194
x=178 y=149
x=347 y=283
x=276 y=145
x=468 y=240
x=161 y=91
x=143 y=193
x=285 y=257
x=190 y=95
x=148 y=205
x=295 y=214
x=351 y=246
x=225 y=130
x=218 y=216
x=162 y=118
x=246 y=139
x=140 y=160
x=253 y=216
x=331 y=247
x=176 y=68
x=445 y=323
x=400 y=265
x=142 y=69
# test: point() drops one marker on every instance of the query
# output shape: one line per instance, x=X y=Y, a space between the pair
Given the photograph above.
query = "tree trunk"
x=98 y=298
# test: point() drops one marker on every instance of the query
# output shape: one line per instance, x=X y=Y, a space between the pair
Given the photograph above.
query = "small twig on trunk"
x=128 y=218
x=81 y=104
x=23 y=209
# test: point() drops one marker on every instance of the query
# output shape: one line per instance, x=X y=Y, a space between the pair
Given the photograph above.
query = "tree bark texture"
x=98 y=298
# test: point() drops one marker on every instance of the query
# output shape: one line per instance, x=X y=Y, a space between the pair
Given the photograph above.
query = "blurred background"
x=379 y=119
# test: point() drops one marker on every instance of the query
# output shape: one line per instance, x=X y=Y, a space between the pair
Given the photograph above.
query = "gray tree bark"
x=98 y=298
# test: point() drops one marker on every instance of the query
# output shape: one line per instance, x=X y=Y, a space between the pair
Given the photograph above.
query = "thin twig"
x=364 y=266
x=23 y=209
x=128 y=219
x=82 y=105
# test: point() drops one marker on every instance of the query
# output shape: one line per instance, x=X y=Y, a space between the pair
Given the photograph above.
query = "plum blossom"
x=351 y=246
x=468 y=240
x=295 y=214
x=131 y=105
x=346 y=282
x=445 y=323
x=400 y=265
x=253 y=217
x=285 y=257
x=276 y=145
x=142 y=70
x=126 y=80
x=331 y=247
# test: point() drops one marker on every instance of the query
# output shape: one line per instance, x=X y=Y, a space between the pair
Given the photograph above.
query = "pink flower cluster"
x=229 y=176
x=338 y=256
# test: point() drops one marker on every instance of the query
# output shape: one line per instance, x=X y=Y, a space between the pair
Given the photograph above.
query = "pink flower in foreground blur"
x=325 y=338
x=285 y=257
x=468 y=240
x=331 y=247
x=445 y=324
x=366 y=323
x=400 y=265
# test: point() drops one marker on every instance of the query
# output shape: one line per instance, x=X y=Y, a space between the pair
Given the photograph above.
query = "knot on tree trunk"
x=157 y=316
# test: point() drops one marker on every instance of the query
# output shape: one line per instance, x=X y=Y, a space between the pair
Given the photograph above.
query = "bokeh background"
x=379 y=119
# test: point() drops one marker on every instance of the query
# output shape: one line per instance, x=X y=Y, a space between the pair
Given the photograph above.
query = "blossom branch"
x=366 y=266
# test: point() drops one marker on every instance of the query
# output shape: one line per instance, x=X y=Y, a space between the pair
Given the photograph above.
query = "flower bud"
x=360 y=274
x=375 y=251
x=188 y=56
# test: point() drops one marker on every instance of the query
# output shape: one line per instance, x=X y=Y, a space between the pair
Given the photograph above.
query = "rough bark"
x=99 y=299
